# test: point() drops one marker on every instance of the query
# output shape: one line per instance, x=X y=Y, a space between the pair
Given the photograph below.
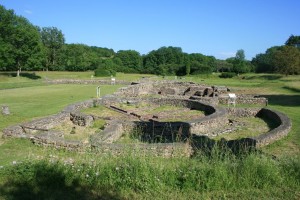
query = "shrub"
x=100 y=72
x=227 y=75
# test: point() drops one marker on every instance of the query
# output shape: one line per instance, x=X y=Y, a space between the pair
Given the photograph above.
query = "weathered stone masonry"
x=177 y=94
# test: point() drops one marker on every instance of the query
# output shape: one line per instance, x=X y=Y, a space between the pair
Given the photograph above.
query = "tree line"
x=24 y=46
x=283 y=59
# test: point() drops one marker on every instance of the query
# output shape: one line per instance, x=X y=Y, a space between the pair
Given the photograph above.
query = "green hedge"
x=227 y=75
x=100 y=72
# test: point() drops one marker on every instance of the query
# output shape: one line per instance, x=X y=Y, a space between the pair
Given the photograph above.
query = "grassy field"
x=31 y=172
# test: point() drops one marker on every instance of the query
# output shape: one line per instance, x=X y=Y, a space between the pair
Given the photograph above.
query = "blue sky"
x=211 y=27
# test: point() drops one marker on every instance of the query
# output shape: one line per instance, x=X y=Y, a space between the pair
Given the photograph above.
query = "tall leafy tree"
x=53 y=39
x=201 y=64
x=293 y=41
x=240 y=65
x=131 y=60
x=264 y=62
x=287 y=60
x=20 y=40
x=26 y=43
x=240 y=55
x=6 y=28
x=188 y=68
x=223 y=66
x=77 y=57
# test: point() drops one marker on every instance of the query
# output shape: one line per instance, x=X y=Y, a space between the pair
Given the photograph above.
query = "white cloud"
x=29 y=12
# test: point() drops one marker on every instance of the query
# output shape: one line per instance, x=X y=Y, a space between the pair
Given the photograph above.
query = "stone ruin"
x=5 y=110
x=180 y=138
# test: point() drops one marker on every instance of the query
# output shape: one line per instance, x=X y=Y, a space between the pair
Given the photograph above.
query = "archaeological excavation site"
x=160 y=118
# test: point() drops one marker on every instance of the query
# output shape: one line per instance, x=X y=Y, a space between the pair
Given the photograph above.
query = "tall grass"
x=143 y=177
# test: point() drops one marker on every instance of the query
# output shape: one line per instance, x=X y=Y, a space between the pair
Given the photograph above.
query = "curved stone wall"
x=284 y=125
x=282 y=122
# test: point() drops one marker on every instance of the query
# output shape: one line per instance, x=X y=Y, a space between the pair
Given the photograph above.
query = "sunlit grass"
x=249 y=127
x=27 y=103
x=144 y=177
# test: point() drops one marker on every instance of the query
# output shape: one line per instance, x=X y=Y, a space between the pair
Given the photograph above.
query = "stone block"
x=5 y=110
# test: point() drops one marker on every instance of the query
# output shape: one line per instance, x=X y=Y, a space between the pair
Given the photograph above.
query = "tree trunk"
x=53 y=58
x=19 y=69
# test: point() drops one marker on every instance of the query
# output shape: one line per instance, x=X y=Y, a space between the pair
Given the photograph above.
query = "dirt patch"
x=74 y=132
x=165 y=113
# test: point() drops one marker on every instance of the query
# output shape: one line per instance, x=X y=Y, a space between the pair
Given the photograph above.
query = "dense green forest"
x=24 y=46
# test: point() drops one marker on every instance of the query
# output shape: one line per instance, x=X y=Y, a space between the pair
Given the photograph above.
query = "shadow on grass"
x=170 y=132
x=32 y=75
x=44 y=181
x=161 y=132
x=291 y=89
x=283 y=100
x=265 y=77
x=208 y=146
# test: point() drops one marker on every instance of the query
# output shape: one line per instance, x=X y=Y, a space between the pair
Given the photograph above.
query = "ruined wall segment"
x=284 y=125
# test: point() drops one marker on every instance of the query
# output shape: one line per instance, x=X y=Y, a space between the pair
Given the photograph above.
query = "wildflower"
x=117 y=168
x=1 y=167
x=87 y=176
x=97 y=173
x=14 y=162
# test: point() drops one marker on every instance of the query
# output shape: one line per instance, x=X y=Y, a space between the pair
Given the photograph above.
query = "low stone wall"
x=214 y=119
x=55 y=139
x=208 y=94
x=85 y=104
x=26 y=130
x=136 y=90
x=207 y=125
x=111 y=133
x=92 y=81
x=243 y=112
x=282 y=122
x=208 y=100
x=81 y=119
x=283 y=128
x=245 y=99
x=166 y=150
x=156 y=87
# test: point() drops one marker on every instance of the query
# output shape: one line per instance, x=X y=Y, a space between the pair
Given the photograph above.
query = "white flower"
x=1 y=167
x=87 y=176
x=14 y=162
x=97 y=173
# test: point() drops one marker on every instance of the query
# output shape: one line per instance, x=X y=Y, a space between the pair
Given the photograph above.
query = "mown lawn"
x=31 y=172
